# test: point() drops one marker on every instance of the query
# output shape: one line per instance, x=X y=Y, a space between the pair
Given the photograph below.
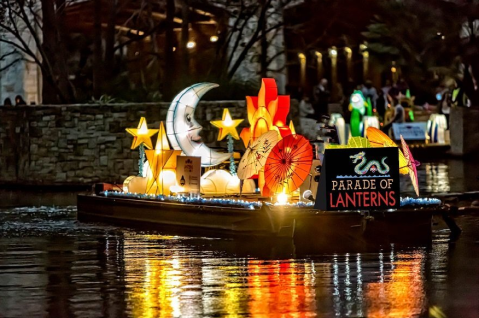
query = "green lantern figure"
x=357 y=107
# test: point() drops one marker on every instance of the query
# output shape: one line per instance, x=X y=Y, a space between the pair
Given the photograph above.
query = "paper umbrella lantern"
x=288 y=165
x=183 y=130
x=379 y=139
x=411 y=163
x=256 y=154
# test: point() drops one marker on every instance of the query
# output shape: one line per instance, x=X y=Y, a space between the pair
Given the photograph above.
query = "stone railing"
x=83 y=144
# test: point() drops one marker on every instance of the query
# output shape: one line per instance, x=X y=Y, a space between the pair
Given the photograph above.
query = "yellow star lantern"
x=142 y=135
x=227 y=125
x=162 y=162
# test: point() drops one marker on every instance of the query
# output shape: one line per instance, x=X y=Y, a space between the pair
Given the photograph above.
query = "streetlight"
x=364 y=51
x=213 y=38
x=319 y=64
x=349 y=55
x=191 y=44
x=333 y=54
x=302 y=61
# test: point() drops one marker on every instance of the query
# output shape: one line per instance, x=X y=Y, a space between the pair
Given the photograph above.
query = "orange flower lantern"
x=266 y=112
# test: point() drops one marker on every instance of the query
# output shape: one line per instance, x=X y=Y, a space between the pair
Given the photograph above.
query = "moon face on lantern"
x=183 y=130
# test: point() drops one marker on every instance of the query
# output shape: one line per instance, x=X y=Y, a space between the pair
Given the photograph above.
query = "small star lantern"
x=142 y=135
x=227 y=125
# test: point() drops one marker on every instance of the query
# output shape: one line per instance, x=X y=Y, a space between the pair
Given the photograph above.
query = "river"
x=53 y=266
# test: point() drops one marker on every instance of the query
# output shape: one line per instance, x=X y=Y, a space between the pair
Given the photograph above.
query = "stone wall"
x=464 y=128
x=83 y=144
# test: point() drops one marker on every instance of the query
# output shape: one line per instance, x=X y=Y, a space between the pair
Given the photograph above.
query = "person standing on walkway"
x=370 y=92
x=19 y=101
x=321 y=98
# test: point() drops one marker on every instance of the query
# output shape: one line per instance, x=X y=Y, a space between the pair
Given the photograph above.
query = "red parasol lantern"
x=288 y=164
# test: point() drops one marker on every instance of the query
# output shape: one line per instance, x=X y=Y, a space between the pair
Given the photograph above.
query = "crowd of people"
x=18 y=101
x=316 y=106
x=389 y=103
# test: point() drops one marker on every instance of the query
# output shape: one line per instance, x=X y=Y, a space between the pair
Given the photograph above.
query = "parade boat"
x=281 y=187
x=232 y=217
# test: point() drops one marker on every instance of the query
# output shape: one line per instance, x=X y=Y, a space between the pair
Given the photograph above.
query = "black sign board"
x=359 y=179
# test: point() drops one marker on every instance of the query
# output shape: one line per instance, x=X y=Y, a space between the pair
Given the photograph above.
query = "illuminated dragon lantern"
x=266 y=112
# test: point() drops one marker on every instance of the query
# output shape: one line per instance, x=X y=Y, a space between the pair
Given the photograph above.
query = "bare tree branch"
x=10 y=64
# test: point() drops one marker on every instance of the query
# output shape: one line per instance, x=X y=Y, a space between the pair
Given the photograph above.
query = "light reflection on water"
x=51 y=265
x=444 y=176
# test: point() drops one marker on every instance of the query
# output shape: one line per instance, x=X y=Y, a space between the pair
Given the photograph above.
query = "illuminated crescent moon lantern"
x=183 y=130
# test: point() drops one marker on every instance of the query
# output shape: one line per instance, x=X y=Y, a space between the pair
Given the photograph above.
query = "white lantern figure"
x=183 y=130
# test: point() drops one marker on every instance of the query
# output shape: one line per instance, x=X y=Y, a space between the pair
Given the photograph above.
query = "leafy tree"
x=426 y=39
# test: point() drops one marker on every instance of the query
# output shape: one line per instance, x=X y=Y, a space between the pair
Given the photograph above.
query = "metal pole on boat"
x=140 y=161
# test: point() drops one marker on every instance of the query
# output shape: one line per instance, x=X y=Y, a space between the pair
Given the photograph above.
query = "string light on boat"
x=419 y=201
x=186 y=199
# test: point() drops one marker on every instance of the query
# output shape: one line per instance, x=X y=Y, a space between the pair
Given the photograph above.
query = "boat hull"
x=311 y=229
x=199 y=218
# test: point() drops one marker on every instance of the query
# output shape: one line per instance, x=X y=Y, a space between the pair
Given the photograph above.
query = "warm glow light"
x=228 y=122
x=168 y=176
x=213 y=38
x=333 y=52
x=141 y=134
x=267 y=111
x=282 y=198
x=191 y=44
x=393 y=69
x=363 y=47
x=143 y=130
x=227 y=125
x=302 y=56
x=177 y=189
x=219 y=182
x=348 y=51
x=162 y=162
x=318 y=55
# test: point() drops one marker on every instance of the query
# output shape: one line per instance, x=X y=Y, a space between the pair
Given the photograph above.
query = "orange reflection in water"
x=157 y=283
x=402 y=292
x=281 y=289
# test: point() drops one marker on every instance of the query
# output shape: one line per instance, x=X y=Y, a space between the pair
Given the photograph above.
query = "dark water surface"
x=53 y=266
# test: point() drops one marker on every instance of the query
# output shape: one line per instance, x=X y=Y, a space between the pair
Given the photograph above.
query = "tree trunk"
x=185 y=35
x=49 y=91
x=97 y=50
x=264 y=47
x=61 y=53
x=169 y=66
x=110 y=41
